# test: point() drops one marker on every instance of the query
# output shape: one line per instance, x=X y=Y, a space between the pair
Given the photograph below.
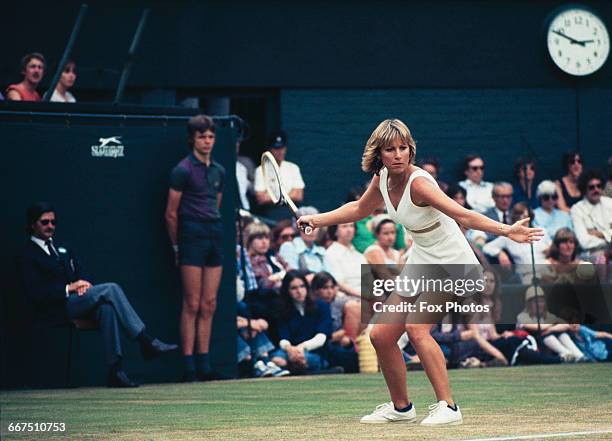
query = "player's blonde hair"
x=384 y=135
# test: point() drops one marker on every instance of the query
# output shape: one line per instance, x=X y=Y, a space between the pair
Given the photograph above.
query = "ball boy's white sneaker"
x=386 y=413
x=442 y=415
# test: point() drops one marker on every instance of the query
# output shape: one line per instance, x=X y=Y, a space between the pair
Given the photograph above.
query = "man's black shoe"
x=155 y=348
x=119 y=378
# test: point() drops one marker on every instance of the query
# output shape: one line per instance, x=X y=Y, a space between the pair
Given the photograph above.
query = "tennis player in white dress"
x=413 y=199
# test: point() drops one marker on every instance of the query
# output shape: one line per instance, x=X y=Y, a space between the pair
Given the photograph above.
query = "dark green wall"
x=329 y=127
x=111 y=212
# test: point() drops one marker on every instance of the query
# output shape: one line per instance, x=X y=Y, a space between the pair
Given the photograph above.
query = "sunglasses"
x=476 y=167
x=288 y=236
x=46 y=222
x=567 y=241
x=595 y=186
x=546 y=197
x=575 y=161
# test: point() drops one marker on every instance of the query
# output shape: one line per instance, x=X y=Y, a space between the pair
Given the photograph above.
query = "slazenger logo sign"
x=108 y=148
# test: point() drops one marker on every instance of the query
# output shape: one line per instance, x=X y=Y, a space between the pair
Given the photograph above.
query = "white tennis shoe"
x=386 y=413
x=442 y=415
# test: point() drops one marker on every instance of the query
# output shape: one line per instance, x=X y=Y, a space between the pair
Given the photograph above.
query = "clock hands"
x=573 y=40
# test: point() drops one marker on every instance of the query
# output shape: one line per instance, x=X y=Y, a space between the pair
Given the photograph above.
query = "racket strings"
x=271 y=180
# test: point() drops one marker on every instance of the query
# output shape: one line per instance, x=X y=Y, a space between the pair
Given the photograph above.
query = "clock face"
x=578 y=41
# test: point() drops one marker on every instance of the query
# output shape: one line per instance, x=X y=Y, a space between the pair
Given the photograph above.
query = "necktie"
x=505 y=218
x=51 y=249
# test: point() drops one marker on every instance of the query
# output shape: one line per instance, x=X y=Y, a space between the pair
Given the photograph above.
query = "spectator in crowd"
x=302 y=253
x=502 y=196
x=33 y=69
x=62 y=94
x=364 y=236
x=478 y=191
x=432 y=166
x=608 y=189
x=282 y=232
x=343 y=261
x=257 y=344
x=547 y=215
x=524 y=183
x=289 y=173
x=346 y=323
x=505 y=249
x=194 y=225
x=304 y=327
x=269 y=267
x=516 y=348
x=475 y=238
x=596 y=345
x=592 y=217
x=562 y=260
x=382 y=251
x=554 y=329
x=567 y=187
x=59 y=291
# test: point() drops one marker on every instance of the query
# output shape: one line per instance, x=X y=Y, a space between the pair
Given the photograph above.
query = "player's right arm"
x=350 y=212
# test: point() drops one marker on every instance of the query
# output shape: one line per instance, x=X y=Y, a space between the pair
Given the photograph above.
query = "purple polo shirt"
x=200 y=185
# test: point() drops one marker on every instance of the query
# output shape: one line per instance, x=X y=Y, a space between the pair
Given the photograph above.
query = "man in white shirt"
x=290 y=174
x=592 y=216
x=478 y=191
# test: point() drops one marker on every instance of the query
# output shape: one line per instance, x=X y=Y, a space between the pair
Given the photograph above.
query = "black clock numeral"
x=589 y=60
x=588 y=24
x=578 y=64
x=560 y=53
x=567 y=60
x=595 y=54
x=556 y=41
x=578 y=20
x=594 y=31
x=567 y=22
x=598 y=42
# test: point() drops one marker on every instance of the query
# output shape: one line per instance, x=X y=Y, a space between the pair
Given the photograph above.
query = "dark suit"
x=491 y=213
x=44 y=279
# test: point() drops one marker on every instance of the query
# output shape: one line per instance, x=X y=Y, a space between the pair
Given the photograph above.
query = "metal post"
x=130 y=58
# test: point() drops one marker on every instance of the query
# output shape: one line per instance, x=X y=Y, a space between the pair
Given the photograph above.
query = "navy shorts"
x=200 y=243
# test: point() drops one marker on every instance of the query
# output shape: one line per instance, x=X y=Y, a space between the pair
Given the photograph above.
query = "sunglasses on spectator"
x=595 y=186
x=546 y=197
x=46 y=222
x=476 y=167
x=575 y=161
x=288 y=236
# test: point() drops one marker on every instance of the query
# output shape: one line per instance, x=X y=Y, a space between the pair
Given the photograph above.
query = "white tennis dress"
x=437 y=237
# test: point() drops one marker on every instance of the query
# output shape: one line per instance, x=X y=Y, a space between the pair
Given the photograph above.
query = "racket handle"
x=307 y=229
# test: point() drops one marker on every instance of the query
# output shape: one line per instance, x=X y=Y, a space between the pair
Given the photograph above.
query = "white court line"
x=543 y=435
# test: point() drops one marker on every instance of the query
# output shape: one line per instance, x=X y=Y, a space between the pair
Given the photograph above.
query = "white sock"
x=555 y=345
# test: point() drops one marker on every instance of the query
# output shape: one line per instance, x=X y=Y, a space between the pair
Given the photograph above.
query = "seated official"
x=55 y=285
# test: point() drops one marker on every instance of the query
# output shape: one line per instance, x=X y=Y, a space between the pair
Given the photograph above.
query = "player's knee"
x=379 y=339
x=417 y=334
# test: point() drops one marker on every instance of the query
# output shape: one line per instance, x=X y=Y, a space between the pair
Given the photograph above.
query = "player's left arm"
x=424 y=193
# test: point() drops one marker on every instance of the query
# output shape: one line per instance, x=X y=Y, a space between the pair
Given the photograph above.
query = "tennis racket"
x=275 y=188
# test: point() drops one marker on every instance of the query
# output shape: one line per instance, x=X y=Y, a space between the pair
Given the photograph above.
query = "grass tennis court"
x=494 y=401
